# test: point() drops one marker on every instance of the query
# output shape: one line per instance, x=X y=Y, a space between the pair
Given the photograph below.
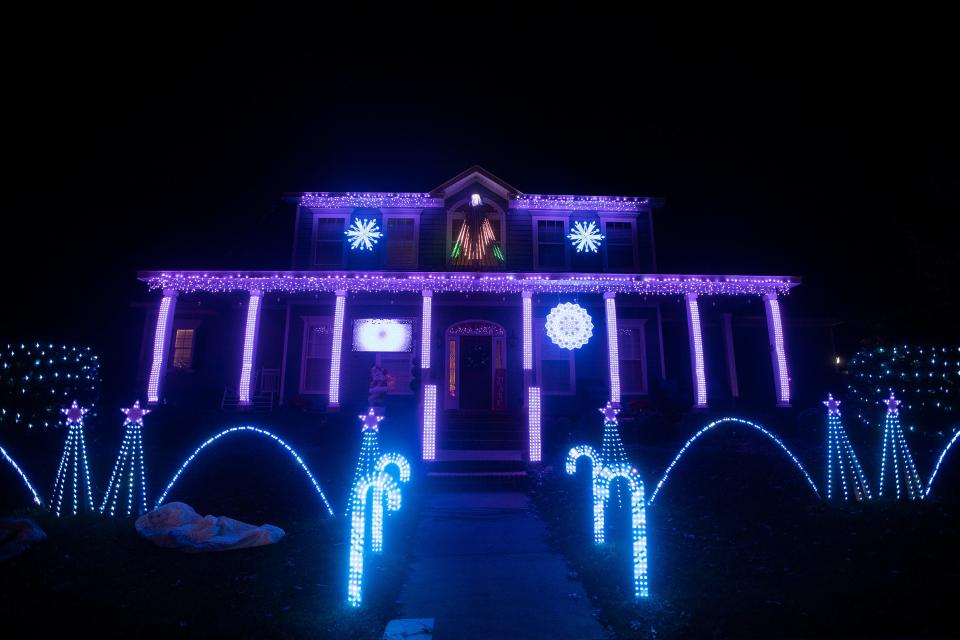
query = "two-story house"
x=474 y=305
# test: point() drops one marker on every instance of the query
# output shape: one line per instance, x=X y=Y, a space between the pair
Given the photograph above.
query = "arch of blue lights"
x=936 y=467
x=23 y=476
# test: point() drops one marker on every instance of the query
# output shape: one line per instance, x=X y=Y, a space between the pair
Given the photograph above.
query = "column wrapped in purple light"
x=249 y=346
x=533 y=419
x=161 y=342
x=527 y=331
x=613 y=348
x=429 y=422
x=334 y=398
x=696 y=351
x=426 y=329
x=781 y=374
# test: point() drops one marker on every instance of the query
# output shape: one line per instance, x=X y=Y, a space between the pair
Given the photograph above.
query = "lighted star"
x=74 y=413
x=134 y=414
x=832 y=404
x=609 y=412
x=585 y=236
x=370 y=420
x=363 y=234
x=893 y=404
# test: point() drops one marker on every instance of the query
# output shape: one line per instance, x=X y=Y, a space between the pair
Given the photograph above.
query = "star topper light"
x=609 y=412
x=893 y=405
x=832 y=405
x=371 y=421
x=363 y=234
x=74 y=413
x=585 y=236
x=135 y=414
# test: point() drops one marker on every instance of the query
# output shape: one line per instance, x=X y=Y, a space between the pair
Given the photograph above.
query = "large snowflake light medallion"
x=363 y=234
x=569 y=326
x=585 y=236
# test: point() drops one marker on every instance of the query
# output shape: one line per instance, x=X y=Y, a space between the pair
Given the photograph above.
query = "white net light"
x=569 y=326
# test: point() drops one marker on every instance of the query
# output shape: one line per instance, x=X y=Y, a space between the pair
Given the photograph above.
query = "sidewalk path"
x=482 y=570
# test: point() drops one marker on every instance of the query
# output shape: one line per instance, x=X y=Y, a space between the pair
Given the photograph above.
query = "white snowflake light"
x=363 y=234
x=569 y=326
x=585 y=236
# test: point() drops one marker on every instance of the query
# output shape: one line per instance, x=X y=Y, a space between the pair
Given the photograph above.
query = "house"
x=475 y=306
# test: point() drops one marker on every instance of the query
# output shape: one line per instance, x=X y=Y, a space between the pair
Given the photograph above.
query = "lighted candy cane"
x=596 y=461
x=378 y=482
x=403 y=473
x=638 y=519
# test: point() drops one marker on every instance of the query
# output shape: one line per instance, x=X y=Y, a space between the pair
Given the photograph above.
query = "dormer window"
x=475 y=235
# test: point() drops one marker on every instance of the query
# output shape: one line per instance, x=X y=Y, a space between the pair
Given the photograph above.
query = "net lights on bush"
x=129 y=466
x=371 y=475
x=585 y=236
x=569 y=326
x=363 y=234
x=73 y=470
x=842 y=464
x=35 y=378
x=254 y=431
x=731 y=421
x=23 y=476
x=608 y=465
x=896 y=457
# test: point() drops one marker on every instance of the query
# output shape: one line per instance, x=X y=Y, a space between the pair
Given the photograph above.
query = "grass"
x=739 y=548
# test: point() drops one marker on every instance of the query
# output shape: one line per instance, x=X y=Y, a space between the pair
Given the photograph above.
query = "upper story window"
x=621 y=246
x=475 y=236
x=329 y=240
x=550 y=243
x=401 y=234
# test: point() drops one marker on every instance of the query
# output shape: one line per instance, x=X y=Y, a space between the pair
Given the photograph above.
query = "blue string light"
x=842 y=462
x=23 y=476
x=722 y=421
x=129 y=464
x=253 y=430
x=897 y=453
x=943 y=453
x=74 y=459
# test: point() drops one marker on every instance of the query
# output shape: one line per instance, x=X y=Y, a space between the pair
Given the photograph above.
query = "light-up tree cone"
x=73 y=470
x=129 y=468
x=606 y=467
x=898 y=474
x=843 y=469
x=371 y=476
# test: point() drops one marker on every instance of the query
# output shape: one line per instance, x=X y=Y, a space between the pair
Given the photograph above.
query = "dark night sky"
x=836 y=165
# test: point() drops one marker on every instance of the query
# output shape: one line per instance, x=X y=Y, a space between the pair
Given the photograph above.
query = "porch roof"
x=465 y=282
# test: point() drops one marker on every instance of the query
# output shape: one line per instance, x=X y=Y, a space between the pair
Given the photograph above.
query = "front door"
x=475 y=363
x=475 y=372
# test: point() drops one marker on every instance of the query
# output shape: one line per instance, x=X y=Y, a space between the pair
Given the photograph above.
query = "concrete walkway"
x=482 y=569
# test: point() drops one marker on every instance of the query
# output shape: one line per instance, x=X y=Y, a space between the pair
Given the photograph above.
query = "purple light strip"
x=249 y=346
x=613 y=347
x=533 y=408
x=371 y=200
x=463 y=282
x=430 y=422
x=781 y=376
x=161 y=338
x=426 y=329
x=334 y=398
x=696 y=350
x=580 y=203
x=527 y=331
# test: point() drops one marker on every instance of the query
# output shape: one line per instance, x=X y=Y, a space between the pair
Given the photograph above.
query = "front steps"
x=472 y=468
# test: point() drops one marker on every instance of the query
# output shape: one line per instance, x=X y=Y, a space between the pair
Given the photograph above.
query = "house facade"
x=475 y=306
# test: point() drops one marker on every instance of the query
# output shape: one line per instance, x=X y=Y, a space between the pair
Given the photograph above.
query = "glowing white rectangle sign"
x=382 y=334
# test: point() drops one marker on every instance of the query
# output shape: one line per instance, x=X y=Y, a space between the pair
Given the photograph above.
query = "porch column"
x=333 y=400
x=532 y=393
x=613 y=347
x=731 y=358
x=249 y=347
x=161 y=344
x=781 y=374
x=696 y=351
x=428 y=399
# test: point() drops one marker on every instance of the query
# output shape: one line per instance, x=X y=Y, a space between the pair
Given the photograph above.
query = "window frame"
x=453 y=214
x=344 y=215
x=565 y=219
x=397 y=215
x=309 y=322
x=632 y=221
x=571 y=356
x=641 y=325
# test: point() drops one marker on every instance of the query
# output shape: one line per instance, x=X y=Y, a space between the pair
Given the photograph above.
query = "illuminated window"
x=315 y=365
x=183 y=350
x=453 y=369
x=632 y=346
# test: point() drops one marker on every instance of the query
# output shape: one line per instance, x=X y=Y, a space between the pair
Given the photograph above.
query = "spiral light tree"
x=843 y=469
x=73 y=470
x=371 y=476
x=129 y=468
x=607 y=466
x=897 y=471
